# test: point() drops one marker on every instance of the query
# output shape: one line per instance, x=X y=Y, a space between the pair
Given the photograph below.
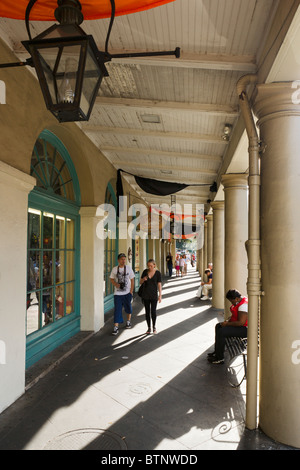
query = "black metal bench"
x=237 y=366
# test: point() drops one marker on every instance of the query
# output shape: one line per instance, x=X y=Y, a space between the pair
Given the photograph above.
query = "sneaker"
x=148 y=332
x=204 y=298
x=115 y=331
x=212 y=354
x=154 y=331
x=215 y=360
x=128 y=325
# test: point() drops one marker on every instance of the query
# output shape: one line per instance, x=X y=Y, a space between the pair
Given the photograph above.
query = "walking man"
x=122 y=278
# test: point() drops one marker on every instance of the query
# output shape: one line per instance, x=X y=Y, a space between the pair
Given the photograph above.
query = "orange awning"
x=43 y=10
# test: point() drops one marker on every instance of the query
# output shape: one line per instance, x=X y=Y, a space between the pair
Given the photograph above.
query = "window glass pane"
x=32 y=323
x=70 y=298
x=47 y=304
x=59 y=301
x=70 y=266
x=59 y=267
x=70 y=234
x=34 y=228
x=32 y=270
x=48 y=230
x=60 y=232
x=47 y=269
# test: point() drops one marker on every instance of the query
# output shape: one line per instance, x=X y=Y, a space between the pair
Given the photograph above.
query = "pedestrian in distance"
x=177 y=266
x=169 y=260
x=122 y=278
x=207 y=286
x=152 y=292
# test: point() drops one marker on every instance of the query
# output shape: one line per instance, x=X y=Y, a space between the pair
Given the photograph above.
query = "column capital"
x=88 y=211
x=235 y=180
x=15 y=178
x=218 y=205
x=274 y=100
x=209 y=217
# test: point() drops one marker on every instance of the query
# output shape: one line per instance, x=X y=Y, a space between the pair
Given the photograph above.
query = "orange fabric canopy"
x=43 y=10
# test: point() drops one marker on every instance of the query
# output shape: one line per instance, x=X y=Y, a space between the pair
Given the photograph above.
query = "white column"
x=236 y=234
x=279 y=123
x=205 y=250
x=92 y=266
x=14 y=189
x=218 y=254
x=209 y=239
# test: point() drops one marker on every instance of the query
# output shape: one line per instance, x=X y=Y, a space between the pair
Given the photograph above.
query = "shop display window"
x=51 y=269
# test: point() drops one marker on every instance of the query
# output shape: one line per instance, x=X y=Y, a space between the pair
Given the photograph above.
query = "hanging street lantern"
x=68 y=65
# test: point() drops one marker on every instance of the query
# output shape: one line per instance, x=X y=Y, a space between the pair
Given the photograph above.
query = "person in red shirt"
x=237 y=325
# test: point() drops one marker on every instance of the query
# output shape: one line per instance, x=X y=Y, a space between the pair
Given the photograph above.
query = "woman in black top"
x=151 y=278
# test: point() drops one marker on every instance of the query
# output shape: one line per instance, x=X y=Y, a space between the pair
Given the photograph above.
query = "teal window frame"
x=43 y=199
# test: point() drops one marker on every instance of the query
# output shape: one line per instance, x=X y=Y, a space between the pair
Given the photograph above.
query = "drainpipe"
x=253 y=251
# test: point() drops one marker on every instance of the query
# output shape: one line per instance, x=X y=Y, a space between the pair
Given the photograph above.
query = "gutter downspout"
x=253 y=251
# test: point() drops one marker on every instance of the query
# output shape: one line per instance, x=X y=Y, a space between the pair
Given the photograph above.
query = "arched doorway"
x=53 y=270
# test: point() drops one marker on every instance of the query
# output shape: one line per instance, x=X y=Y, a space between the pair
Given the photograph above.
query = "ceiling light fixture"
x=151 y=118
x=69 y=66
x=227 y=132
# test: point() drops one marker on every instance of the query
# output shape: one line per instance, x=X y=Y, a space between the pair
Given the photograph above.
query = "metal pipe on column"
x=253 y=250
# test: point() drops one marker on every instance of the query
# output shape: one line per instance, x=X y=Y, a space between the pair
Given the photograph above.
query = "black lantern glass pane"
x=67 y=73
x=92 y=75
x=60 y=66
x=47 y=61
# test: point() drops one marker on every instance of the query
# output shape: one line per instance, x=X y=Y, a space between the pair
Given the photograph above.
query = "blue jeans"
x=121 y=301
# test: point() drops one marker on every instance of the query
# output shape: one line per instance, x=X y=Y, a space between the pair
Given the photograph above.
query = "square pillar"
x=92 y=265
x=14 y=189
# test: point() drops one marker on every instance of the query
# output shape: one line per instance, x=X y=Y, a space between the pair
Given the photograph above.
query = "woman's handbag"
x=141 y=290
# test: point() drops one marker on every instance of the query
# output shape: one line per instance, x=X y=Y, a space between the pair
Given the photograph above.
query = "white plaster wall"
x=14 y=189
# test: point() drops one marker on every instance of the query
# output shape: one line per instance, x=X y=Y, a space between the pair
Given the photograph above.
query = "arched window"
x=51 y=166
x=53 y=276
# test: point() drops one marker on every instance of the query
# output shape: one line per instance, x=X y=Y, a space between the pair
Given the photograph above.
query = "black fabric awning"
x=157 y=187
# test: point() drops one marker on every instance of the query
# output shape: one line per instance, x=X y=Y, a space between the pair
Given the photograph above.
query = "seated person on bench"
x=207 y=286
x=237 y=325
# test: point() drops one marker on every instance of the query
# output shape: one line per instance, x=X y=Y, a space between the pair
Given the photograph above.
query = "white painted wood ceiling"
x=191 y=98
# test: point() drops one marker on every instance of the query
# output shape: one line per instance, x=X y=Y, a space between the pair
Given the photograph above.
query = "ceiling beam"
x=239 y=63
x=206 y=138
x=158 y=153
x=163 y=106
x=243 y=63
x=131 y=164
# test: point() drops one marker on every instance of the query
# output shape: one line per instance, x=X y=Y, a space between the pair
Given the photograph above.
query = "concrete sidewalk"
x=136 y=392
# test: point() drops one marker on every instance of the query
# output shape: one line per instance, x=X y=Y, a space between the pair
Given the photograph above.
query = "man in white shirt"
x=122 y=278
